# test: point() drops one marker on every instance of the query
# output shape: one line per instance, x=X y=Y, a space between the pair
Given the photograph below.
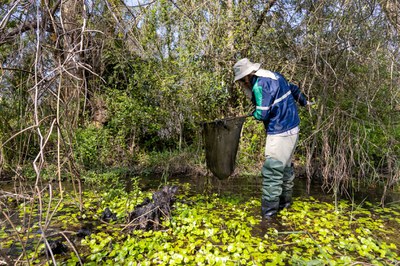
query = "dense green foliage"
x=146 y=76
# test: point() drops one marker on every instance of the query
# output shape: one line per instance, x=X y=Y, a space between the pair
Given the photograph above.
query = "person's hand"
x=309 y=106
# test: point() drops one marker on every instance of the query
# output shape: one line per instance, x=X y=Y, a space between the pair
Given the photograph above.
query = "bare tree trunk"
x=392 y=11
x=230 y=26
x=72 y=80
x=73 y=24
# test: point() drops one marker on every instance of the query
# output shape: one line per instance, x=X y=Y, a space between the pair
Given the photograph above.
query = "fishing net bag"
x=221 y=139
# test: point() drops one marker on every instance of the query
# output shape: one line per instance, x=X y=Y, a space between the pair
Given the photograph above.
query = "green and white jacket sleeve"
x=262 y=101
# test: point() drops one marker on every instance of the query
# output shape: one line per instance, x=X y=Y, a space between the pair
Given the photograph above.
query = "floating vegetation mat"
x=214 y=230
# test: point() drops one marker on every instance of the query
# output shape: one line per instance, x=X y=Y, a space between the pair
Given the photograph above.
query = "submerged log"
x=57 y=247
x=148 y=214
x=108 y=216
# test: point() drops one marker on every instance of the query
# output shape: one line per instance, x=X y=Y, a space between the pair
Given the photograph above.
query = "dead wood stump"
x=148 y=214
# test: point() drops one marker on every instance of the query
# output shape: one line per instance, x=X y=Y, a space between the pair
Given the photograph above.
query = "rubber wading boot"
x=285 y=201
x=269 y=209
x=272 y=174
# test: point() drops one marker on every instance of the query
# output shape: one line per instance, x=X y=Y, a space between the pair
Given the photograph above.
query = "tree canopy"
x=100 y=83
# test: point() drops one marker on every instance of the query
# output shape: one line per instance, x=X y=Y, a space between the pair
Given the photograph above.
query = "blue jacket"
x=274 y=98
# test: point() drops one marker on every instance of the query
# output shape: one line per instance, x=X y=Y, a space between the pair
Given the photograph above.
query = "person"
x=275 y=105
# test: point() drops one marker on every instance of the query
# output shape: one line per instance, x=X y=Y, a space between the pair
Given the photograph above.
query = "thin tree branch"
x=261 y=19
x=28 y=25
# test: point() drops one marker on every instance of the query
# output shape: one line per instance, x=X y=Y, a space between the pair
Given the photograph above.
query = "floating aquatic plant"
x=222 y=230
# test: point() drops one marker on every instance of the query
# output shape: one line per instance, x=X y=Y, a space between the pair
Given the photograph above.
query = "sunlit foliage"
x=221 y=230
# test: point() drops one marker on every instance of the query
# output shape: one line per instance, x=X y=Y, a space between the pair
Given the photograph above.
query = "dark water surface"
x=244 y=187
x=247 y=187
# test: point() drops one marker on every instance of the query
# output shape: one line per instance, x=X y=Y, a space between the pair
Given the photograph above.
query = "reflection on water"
x=247 y=187
x=244 y=187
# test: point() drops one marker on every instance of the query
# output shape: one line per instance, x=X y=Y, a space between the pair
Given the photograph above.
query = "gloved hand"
x=310 y=103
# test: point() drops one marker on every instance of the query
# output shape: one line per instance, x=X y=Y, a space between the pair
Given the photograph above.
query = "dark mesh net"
x=221 y=140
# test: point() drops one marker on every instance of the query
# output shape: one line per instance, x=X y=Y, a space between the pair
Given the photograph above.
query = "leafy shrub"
x=93 y=147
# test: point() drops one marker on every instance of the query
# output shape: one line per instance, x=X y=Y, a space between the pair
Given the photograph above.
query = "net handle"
x=227 y=119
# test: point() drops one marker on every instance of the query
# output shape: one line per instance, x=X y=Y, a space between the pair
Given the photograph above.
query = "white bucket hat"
x=243 y=67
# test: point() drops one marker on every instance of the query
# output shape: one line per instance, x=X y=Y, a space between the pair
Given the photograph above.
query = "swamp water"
x=213 y=223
